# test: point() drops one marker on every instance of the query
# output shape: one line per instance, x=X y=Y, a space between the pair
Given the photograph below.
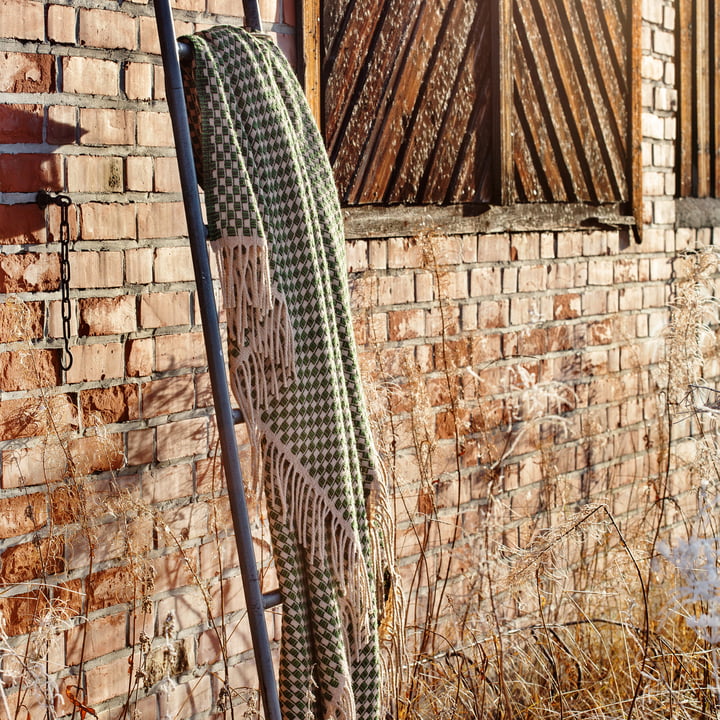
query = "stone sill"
x=382 y=221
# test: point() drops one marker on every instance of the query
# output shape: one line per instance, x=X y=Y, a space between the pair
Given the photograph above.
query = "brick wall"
x=111 y=506
x=109 y=476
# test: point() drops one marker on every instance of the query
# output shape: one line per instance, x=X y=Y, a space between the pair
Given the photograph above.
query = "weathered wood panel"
x=503 y=101
x=407 y=104
x=699 y=98
x=570 y=100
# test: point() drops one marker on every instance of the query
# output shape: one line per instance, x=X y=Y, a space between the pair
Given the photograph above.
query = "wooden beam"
x=502 y=33
x=382 y=221
x=685 y=101
x=310 y=53
x=635 y=184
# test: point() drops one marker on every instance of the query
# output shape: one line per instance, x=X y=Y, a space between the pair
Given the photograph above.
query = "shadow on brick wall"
x=30 y=163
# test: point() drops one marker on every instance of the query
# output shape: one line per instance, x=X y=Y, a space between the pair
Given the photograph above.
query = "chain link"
x=44 y=199
x=65 y=309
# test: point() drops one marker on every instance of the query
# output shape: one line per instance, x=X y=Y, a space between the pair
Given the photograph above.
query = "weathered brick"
x=96 y=453
x=139 y=361
x=173 y=264
x=161 y=220
x=154 y=129
x=96 y=638
x=182 y=438
x=107 y=315
x=96 y=362
x=29 y=272
x=22 y=514
x=406 y=324
x=61 y=24
x=29 y=172
x=62 y=124
x=27 y=561
x=90 y=76
x=168 y=483
x=21 y=224
x=22 y=19
x=96 y=269
x=106 y=126
x=164 y=309
x=21 y=123
x=107 y=29
x=138 y=80
x=90 y=173
x=102 y=406
x=168 y=395
x=107 y=221
x=26 y=72
x=29 y=369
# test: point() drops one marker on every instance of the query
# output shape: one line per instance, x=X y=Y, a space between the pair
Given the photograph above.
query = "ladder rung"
x=237 y=416
x=272 y=599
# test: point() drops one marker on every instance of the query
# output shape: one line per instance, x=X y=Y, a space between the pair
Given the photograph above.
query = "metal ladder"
x=256 y=602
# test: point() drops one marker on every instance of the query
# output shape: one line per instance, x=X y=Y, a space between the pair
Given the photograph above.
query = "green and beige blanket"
x=274 y=217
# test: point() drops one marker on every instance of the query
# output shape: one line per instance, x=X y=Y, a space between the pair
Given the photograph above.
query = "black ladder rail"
x=255 y=601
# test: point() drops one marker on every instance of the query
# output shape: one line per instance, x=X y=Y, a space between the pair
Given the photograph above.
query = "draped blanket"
x=274 y=217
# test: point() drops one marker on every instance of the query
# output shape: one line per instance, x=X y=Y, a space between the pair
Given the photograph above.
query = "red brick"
x=141 y=446
x=149 y=41
x=161 y=220
x=104 y=126
x=20 y=321
x=21 y=612
x=21 y=123
x=406 y=324
x=29 y=369
x=96 y=269
x=107 y=315
x=96 y=362
x=29 y=272
x=96 y=453
x=169 y=395
x=89 y=173
x=101 y=406
x=566 y=306
x=62 y=124
x=139 y=360
x=173 y=352
x=61 y=24
x=173 y=264
x=182 y=438
x=107 y=29
x=168 y=483
x=22 y=514
x=26 y=72
x=172 y=571
x=107 y=221
x=21 y=224
x=31 y=560
x=90 y=76
x=29 y=172
x=164 y=309
x=95 y=638
x=35 y=465
x=139 y=173
x=167 y=175
x=22 y=19
x=138 y=80
x=154 y=129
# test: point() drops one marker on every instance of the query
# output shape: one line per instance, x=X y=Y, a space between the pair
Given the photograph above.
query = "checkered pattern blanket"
x=275 y=220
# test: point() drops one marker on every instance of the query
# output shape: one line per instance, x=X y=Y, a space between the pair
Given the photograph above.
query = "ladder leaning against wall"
x=255 y=601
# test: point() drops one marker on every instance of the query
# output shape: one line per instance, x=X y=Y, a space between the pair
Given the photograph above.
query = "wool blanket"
x=275 y=219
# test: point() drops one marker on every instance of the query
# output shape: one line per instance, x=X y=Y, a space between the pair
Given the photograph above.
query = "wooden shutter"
x=571 y=100
x=456 y=101
x=407 y=103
